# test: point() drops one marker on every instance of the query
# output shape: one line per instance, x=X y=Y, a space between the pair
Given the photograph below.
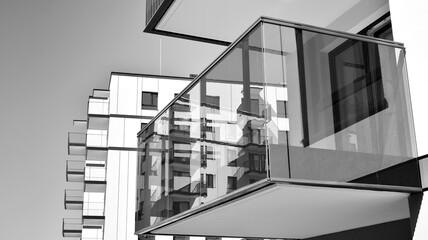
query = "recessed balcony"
x=75 y=170
x=298 y=116
x=72 y=227
x=73 y=199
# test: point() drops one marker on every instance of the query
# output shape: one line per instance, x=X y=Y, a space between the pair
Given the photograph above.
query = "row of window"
x=150 y=101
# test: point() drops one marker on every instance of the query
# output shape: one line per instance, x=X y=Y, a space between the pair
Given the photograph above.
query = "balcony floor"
x=284 y=210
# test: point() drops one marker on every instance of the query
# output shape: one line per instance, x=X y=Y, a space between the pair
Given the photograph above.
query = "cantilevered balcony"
x=72 y=227
x=75 y=170
x=93 y=208
x=306 y=123
x=77 y=144
x=98 y=111
x=73 y=199
x=92 y=232
x=92 y=144
x=95 y=176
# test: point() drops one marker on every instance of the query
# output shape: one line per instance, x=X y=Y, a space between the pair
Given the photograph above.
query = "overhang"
x=281 y=209
x=222 y=21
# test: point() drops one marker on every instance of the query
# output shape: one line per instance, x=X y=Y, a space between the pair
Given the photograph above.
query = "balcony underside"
x=223 y=21
x=291 y=209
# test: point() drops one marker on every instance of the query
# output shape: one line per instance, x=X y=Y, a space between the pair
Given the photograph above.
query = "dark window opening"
x=179 y=207
x=281 y=109
x=356 y=83
x=213 y=102
x=232 y=183
x=149 y=100
x=210 y=181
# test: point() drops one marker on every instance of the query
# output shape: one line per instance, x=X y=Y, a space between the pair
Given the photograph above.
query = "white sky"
x=54 y=52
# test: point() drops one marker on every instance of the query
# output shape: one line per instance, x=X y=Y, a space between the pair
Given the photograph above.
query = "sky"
x=52 y=54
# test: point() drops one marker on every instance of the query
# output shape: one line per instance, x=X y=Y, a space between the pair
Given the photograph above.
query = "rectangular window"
x=281 y=109
x=179 y=207
x=232 y=183
x=149 y=100
x=210 y=181
x=231 y=157
x=356 y=83
x=213 y=102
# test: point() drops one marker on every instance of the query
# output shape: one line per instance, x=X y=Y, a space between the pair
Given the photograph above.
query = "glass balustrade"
x=98 y=106
x=285 y=101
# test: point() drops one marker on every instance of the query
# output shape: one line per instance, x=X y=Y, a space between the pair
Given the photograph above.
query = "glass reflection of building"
x=287 y=104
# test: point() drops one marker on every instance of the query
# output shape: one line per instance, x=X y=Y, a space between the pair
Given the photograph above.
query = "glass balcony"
x=92 y=232
x=73 y=199
x=98 y=106
x=72 y=227
x=96 y=138
x=95 y=176
x=75 y=171
x=93 y=204
x=285 y=103
x=77 y=144
x=101 y=93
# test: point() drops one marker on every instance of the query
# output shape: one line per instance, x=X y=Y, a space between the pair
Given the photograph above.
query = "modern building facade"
x=105 y=154
x=301 y=129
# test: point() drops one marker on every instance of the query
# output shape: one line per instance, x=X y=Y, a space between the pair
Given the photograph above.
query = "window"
x=356 y=83
x=213 y=102
x=210 y=181
x=254 y=106
x=281 y=109
x=149 y=100
x=179 y=207
x=257 y=162
x=231 y=157
x=180 y=174
x=232 y=183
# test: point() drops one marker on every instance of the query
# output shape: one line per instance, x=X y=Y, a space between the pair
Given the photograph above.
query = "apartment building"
x=301 y=129
x=104 y=153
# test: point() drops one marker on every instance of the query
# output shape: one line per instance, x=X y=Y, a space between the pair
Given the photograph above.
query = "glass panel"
x=280 y=58
x=304 y=105
x=199 y=148
x=354 y=108
x=98 y=106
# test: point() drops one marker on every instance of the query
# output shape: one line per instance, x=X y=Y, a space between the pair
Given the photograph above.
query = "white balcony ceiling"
x=225 y=19
x=292 y=211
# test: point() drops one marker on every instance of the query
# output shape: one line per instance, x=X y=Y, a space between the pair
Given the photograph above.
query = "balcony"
x=77 y=144
x=73 y=199
x=75 y=171
x=312 y=117
x=98 y=112
x=72 y=227
x=92 y=144
x=93 y=207
x=95 y=176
